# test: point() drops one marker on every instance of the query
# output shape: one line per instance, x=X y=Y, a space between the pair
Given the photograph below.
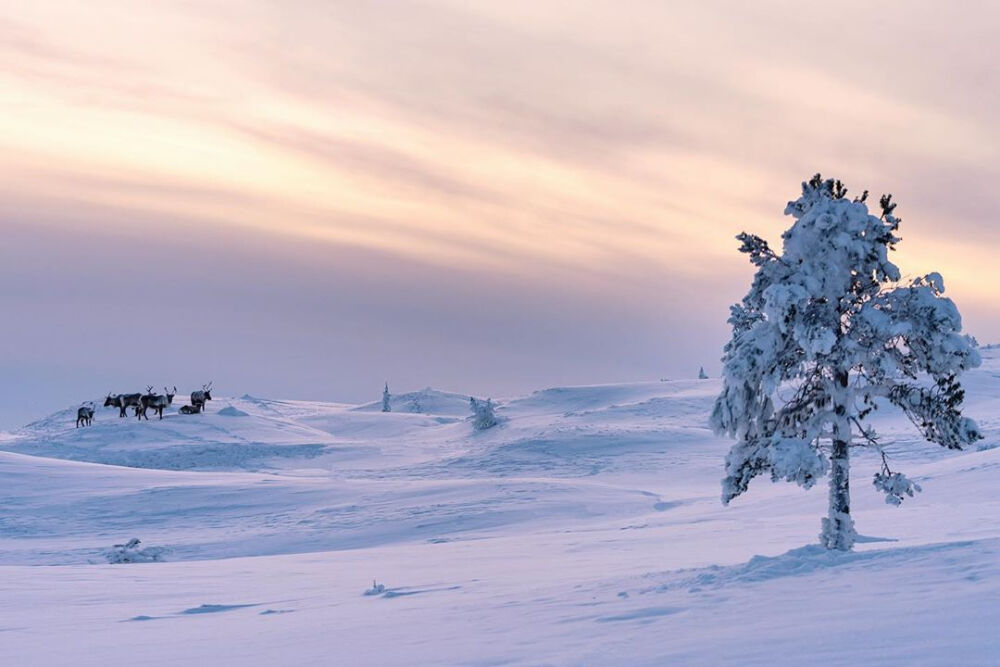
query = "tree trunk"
x=838 y=526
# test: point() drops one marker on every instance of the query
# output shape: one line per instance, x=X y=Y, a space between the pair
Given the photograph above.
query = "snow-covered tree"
x=827 y=335
x=701 y=373
x=484 y=417
x=386 y=398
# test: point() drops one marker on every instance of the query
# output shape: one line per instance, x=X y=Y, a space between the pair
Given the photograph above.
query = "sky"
x=305 y=199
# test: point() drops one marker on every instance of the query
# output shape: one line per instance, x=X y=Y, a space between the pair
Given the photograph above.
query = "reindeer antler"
x=149 y=389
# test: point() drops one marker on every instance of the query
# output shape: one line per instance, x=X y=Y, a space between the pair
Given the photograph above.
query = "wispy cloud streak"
x=596 y=149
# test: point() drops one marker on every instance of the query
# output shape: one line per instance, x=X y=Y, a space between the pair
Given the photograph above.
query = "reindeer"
x=145 y=401
x=122 y=402
x=191 y=409
x=198 y=398
x=85 y=414
x=158 y=403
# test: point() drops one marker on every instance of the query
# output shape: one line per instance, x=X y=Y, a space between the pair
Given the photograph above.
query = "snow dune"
x=585 y=529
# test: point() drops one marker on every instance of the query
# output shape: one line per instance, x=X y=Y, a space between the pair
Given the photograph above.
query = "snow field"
x=585 y=529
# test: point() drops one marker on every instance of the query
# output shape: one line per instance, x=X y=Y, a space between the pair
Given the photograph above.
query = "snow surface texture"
x=585 y=528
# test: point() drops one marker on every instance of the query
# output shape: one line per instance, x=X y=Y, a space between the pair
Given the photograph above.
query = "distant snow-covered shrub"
x=376 y=589
x=131 y=553
x=483 y=415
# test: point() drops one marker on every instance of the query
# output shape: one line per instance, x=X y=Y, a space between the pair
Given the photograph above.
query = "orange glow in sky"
x=611 y=148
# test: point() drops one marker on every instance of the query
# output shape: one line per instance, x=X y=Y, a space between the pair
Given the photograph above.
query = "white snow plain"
x=586 y=528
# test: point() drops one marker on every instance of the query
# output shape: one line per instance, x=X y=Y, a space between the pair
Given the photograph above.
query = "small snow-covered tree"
x=386 y=398
x=825 y=335
x=701 y=373
x=484 y=417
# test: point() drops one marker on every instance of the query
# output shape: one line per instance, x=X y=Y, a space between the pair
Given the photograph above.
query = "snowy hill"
x=585 y=529
x=428 y=401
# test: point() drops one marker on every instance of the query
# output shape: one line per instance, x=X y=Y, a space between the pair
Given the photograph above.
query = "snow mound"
x=130 y=552
x=265 y=433
x=426 y=401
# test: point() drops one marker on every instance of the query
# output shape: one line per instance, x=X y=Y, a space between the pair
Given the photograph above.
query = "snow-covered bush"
x=824 y=334
x=376 y=589
x=483 y=415
x=386 y=399
x=131 y=553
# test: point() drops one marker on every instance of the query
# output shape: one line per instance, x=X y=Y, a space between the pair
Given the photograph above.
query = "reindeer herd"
x=142 y=403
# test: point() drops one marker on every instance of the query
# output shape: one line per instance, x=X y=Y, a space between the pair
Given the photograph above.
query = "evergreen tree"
x=701 y=373
x=824 y=335
x=386 y=398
